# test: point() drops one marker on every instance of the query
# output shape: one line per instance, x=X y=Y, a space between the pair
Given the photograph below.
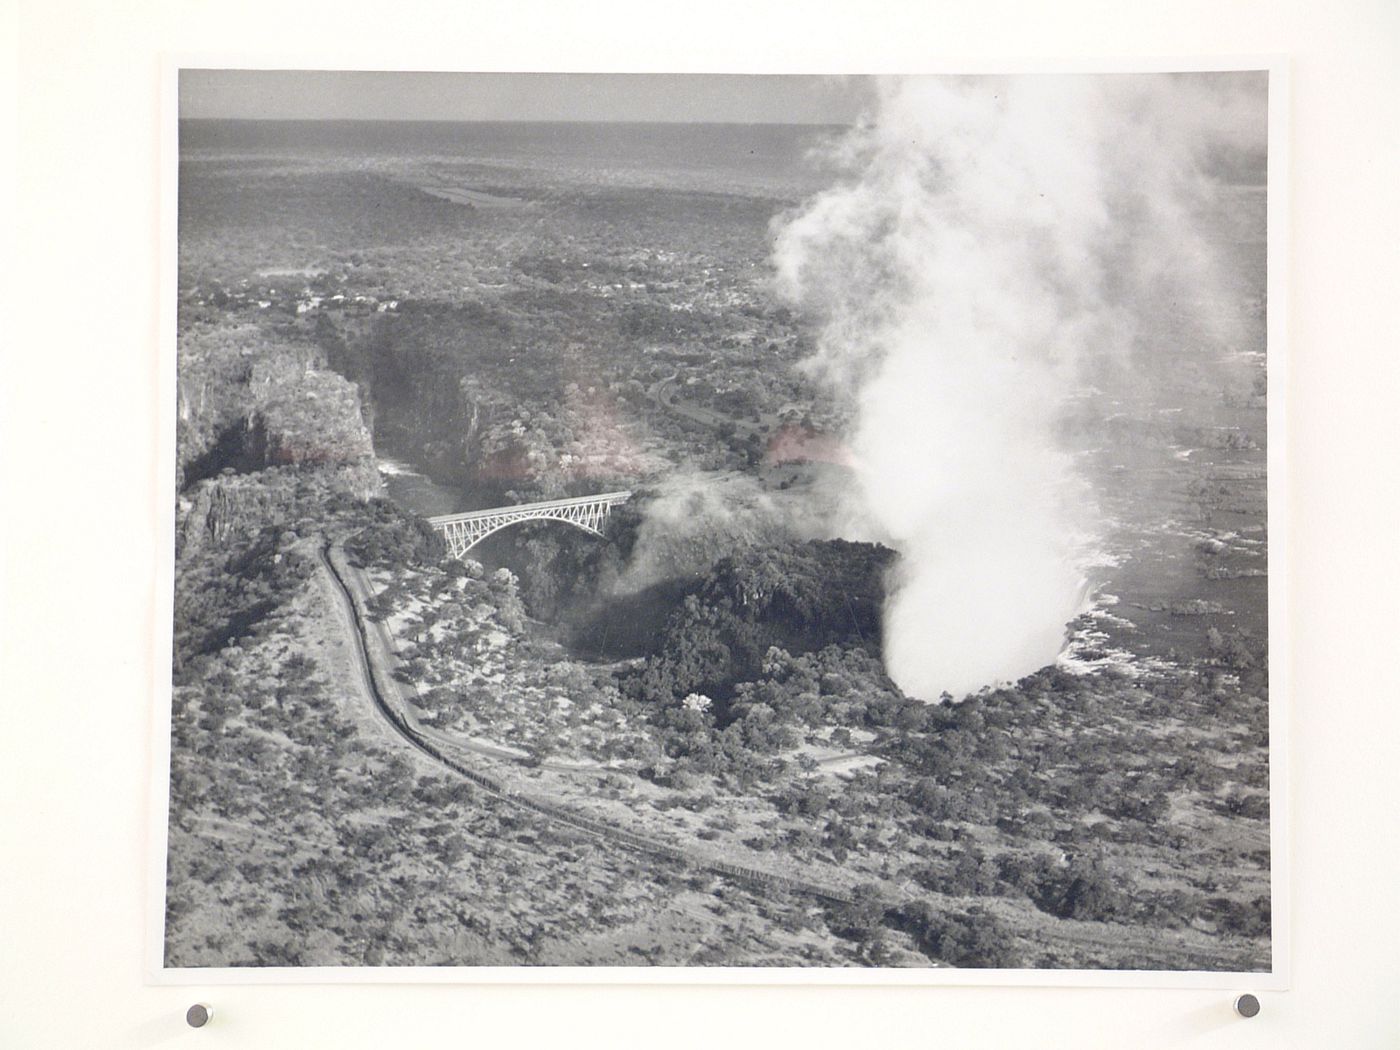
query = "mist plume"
x=998 y=245
x=692 y=520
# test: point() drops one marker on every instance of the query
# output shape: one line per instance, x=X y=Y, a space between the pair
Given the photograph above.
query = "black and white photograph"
x=722 y=522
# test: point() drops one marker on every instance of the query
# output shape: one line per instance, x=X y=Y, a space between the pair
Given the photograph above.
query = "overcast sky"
x=304 y=95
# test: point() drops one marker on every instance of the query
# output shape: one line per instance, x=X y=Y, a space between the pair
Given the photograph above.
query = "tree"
x=509 y=608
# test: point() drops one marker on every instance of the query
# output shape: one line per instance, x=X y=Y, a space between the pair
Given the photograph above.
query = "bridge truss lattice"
x=464 y=531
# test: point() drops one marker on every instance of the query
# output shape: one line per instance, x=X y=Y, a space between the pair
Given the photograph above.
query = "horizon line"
x=512 y=120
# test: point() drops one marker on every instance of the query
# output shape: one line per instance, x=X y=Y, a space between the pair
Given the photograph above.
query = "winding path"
x=377 y=685
x=381 y=653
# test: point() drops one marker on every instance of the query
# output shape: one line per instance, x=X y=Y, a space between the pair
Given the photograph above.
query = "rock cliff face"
x=420 y=400
x=264 y=431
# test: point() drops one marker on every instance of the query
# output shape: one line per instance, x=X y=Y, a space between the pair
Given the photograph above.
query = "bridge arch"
x=491 y=530
x=464 y=531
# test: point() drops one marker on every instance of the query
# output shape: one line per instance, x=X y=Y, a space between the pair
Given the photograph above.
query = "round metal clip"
x=1247 y=1005
x=198 y=1015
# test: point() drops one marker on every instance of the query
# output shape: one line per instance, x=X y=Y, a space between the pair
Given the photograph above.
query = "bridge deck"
x=610 y=498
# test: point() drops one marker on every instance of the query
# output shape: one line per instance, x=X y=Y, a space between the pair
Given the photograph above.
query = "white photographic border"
x=1279 y=613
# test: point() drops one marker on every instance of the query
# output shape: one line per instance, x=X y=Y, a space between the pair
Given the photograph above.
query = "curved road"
x=381 y=639
x=416 y=737
x=660 y=392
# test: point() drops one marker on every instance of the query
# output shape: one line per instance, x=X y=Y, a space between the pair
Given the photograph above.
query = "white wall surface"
x=84 y=519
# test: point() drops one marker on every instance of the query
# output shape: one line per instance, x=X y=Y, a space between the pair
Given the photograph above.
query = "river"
x=415 y=491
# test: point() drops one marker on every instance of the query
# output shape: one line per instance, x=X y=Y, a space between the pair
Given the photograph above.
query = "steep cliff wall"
x=264 y=432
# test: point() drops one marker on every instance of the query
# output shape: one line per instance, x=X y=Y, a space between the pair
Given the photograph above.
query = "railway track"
x=561 y=815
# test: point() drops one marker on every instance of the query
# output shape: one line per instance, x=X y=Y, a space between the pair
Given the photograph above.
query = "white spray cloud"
x=692 y=520
x=998 y=242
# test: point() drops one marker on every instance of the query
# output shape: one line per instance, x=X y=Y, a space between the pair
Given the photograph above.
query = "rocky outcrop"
x=265 y=431
x=219 y=509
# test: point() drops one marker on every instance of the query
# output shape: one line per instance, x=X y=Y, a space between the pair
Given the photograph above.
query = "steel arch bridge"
x=464 y=531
